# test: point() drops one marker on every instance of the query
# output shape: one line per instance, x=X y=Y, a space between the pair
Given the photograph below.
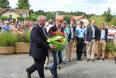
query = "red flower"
x=57 y=33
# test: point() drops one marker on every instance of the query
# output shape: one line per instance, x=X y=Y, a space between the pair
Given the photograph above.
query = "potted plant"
x=7 y=43
x=22 y=44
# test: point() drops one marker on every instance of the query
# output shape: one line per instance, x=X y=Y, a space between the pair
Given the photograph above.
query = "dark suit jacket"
x=90 y=32
x=106 y=34
x=38 y=45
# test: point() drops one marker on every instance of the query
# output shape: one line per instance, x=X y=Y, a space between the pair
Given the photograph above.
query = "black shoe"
x=92 y=60
x=56 y=77
x=79 y=59
x=103 y=59
x=98 y=58
x=115 y=60
x=88 y=60
x=28 y=74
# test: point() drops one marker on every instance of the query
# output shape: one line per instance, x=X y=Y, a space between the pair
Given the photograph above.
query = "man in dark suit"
x=92 y=36
x=102 y=41
x=38 y=48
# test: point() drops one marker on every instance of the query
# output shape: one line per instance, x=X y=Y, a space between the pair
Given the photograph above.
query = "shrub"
x=3 y=18
x=110 y=47
x=23 y=37
x=7 y=39
x=27 y=36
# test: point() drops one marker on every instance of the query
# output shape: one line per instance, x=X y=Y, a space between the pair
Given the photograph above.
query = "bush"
x=23 y=37
x=21 y=18
x=27 y=36
x=7 y=39
x=3 y=18
x=110 y=47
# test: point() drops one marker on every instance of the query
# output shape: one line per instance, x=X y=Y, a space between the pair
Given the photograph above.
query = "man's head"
x=41 y=20
x=59 y=20
x=64 y=24
x=81 y=23
x=93 y=22
x=102 y=25
x=72 y=21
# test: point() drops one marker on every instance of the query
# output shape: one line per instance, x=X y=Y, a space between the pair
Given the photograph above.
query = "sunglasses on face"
x=60 y=21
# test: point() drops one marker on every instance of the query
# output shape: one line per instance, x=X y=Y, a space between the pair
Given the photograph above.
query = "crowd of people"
x=84 y=38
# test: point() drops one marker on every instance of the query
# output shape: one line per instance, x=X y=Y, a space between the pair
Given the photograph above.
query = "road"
x=13 y=66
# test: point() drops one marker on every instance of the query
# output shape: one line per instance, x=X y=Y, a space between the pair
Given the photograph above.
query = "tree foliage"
x=108 y=16
x=4 y=4
x=23 y=4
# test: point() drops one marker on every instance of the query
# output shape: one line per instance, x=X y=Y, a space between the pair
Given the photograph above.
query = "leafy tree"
x=23 y=4
x=108 y=16
x=20 y=18
x=40 y=12
x=32 y=17
x=4 y=4
x=50 y=15
x=67 y=18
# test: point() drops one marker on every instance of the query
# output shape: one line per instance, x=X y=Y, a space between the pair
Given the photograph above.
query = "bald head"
x=41 y=20
x=59 y=20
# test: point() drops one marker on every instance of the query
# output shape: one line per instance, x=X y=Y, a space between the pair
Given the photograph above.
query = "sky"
x=88 y=6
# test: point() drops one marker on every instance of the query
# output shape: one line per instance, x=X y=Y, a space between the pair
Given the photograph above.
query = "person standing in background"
x=102 y=42
x=80 y=31
x=92 y=37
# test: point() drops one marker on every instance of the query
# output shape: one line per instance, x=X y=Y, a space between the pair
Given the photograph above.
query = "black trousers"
x=39 y=66
x=79 y=47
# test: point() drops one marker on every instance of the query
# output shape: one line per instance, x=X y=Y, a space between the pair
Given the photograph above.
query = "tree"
x=4 y=4
x=23 y=4
x=40 y=12
x=108 y=16
x=50 y=15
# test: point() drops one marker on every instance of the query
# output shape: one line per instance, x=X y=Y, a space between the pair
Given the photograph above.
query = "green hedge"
x=10 y=39
x=7 y=39
x=23 y=37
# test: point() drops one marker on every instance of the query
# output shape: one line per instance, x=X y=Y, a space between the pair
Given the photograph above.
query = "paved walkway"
x=13 y=66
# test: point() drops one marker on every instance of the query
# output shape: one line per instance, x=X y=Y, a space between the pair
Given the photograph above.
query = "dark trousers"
x=79 y=47
x=39 y=66
x=84 y=50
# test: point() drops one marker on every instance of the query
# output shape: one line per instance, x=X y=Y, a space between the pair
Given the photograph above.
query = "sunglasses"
x=60 y=21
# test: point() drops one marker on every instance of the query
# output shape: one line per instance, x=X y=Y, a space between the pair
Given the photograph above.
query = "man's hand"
x=52 y=47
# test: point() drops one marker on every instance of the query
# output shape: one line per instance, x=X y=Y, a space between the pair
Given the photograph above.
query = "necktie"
x=44 y=32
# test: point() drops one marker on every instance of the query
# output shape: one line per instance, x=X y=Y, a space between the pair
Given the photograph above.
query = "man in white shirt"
x=111 y=33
